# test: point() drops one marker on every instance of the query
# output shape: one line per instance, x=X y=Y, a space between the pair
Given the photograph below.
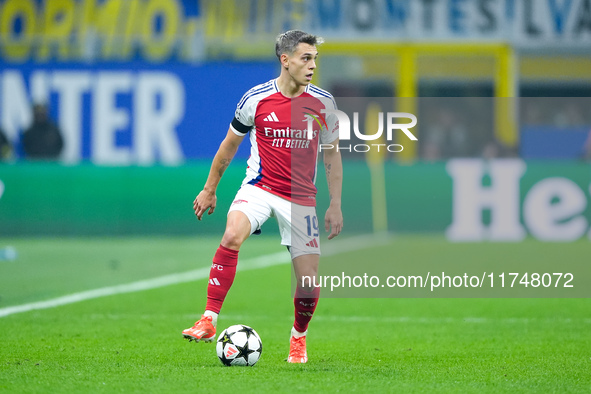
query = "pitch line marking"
x=269 y=260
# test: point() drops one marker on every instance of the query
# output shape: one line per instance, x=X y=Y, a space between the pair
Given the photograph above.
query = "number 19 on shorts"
x=312 y=222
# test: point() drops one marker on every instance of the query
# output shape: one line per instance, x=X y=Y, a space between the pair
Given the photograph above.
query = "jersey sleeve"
x=331 y=133
x=243 y=120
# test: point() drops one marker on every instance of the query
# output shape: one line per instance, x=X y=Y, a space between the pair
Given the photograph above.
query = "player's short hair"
x=288 y=42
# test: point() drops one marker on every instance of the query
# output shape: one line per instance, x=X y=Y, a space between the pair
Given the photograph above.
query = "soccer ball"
x=239 y=345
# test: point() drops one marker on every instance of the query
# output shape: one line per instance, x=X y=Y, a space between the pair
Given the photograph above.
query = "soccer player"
x=282 y=118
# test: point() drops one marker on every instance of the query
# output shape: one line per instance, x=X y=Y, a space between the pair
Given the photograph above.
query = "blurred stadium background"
x=143 y=92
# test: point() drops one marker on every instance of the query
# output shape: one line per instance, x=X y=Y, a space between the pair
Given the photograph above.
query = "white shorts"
x=298 y=224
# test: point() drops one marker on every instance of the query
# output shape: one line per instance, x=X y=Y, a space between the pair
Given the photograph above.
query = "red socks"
x=221 y=277
x=305 y=305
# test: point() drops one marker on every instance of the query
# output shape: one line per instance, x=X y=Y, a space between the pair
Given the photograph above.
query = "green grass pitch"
x=132 y=342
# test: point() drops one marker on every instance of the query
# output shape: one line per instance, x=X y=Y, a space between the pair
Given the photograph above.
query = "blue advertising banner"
x=131 y=113
x=551 y=142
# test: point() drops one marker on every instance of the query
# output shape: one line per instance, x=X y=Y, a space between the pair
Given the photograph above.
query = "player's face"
x=302 y=63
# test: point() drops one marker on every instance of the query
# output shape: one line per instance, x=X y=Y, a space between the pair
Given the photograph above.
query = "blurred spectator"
x=587 y=148
x=5 y=147
x=431 y=151
x=42 y=140
x=495 y=150
x=492 y=150
x=570 y=115
x=446 y=136
x=532 y=115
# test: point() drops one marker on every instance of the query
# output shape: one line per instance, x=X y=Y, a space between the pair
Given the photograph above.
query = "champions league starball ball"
x=239 y=345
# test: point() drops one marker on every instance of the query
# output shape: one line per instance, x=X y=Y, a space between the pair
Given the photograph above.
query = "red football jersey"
x=284 y=152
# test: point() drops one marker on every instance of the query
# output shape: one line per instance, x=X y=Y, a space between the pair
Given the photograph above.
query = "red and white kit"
x=283 y=160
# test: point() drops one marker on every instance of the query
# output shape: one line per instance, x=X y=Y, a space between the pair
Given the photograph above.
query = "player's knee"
x=308 y=281
x=307 y=288
x=232 y=239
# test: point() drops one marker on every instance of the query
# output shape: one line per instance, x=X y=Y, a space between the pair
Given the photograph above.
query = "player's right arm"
x=207 y=198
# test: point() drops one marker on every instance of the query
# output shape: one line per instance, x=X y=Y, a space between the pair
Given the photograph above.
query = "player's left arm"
x=333 y=165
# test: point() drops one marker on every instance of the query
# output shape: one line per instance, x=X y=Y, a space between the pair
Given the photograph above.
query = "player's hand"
x=204 y=201
x=333 y=221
